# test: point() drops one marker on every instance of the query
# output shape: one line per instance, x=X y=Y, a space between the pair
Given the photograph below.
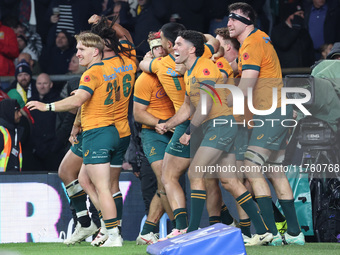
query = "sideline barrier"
x=34 y=207
x=218 y=239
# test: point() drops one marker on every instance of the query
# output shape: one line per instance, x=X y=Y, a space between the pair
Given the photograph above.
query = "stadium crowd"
x=139 y=71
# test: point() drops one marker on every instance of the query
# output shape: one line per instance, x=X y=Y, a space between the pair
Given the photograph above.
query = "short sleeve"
x=143 y=90
x=89 y=80
x=251 y=57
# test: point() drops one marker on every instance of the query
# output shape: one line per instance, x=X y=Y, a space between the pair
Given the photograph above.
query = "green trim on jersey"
x=141 y=101
x=251 y=67
x=86 y=89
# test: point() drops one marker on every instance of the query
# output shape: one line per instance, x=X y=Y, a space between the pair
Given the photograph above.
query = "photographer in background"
x=295 y=48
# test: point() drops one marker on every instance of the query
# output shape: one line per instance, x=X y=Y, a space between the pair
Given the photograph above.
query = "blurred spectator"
x=69 y=15
x=295 y=48
x=8 y=50
x=22 y=42
x=335 y=52
x=11 y=133
x=23 y=88
x=121 y=10
x=27 y=57
x=31 y=41
x=74 y=67
x=73 y=83
x=322 y=19
x=217 y=14
x=150 y=16
x=107 y=7
x=325 y=49
x=56 y=59
x=45 y=149
x=191 y=13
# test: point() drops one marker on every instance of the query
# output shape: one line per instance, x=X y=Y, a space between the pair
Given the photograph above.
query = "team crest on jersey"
x=206 y=71
x=219 y=65
x=245 y=56
x=193 y=80
x=87 y=78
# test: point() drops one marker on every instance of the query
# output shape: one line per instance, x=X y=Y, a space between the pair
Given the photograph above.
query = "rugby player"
x=151 y=106
x=260 y=70
x=100 y=136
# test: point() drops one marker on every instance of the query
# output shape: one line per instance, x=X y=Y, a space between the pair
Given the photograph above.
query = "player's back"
x=120 y=75
x=171 y=80
x=149 y=91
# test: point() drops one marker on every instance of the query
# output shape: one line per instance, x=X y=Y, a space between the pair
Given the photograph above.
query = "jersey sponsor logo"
x=267 y=39
x=245 y=56
x=86 y=153
x=160 y=93
x=260 y=137
x=87 y=78
x=172 y=73
x=206 y=71
x=2 y=35
x=219 y=64
x=152 y=152
x=212 y=138
x=121 y=69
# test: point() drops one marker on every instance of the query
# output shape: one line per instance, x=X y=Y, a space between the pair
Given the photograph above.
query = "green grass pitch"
x=130 y=248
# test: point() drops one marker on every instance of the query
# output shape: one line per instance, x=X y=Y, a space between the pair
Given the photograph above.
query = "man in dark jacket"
x=322 y=19
x=23 y=88
x=295 y=48
x=44 y=138
x=10 y=146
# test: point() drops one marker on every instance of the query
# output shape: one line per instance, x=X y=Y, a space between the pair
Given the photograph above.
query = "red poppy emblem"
x=206 y=71
x=219 y=65
x=245 y=56
x=87 y=78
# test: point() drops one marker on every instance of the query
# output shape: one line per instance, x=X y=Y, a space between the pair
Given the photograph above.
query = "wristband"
x=50 y=107
x=162 y=121
x=191 y=129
